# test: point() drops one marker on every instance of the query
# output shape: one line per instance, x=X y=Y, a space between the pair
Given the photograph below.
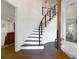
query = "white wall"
x=28 y=17
x=51 y=31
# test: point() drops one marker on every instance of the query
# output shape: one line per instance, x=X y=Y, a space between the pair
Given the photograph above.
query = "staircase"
x=34 y=39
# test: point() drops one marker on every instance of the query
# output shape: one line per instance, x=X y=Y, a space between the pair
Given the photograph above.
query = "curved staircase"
x=34 y=39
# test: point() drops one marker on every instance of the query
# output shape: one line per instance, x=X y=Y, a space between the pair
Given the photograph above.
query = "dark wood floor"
x=48 y=53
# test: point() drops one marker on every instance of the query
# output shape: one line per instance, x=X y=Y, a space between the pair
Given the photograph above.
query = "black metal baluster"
x=54 y=10
x=50 y=15
x=41 y=28
x=45 y=21
x=57 y=39
x=39 y=35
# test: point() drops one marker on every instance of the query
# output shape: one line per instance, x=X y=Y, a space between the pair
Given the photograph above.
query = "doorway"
x=7 y=23
x=71 y=23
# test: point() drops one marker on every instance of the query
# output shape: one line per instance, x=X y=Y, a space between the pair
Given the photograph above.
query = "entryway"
x=7 y=23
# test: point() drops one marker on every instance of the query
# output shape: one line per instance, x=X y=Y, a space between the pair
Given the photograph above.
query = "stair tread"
x=32 y=45
x=35 y=34
x=32 y=40
x=42 y=29
x=33 y=37
x=38 y=31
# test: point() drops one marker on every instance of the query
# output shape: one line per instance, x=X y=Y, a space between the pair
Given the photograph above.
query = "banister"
x=45 y=21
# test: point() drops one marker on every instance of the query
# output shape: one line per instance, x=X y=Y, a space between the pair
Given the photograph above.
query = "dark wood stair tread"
x=32 y=45
x=35 y=34
x=32 y=41
x=42 y=29
x=38 y=31
x=33 y=37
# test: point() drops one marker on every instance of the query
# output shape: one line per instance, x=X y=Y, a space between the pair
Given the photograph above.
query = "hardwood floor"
x=61 y=55
x=48 y=53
